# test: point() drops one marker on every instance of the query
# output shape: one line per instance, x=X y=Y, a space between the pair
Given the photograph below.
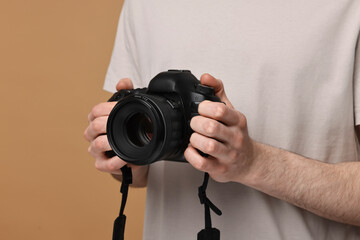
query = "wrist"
x=257 y=169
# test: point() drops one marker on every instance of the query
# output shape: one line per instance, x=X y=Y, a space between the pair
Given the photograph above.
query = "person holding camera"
x=283 y=151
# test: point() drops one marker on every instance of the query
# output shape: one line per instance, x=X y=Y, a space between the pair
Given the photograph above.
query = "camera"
x=153 y=123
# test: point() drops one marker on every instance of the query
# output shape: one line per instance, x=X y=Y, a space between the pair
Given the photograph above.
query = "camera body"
x=152 y=124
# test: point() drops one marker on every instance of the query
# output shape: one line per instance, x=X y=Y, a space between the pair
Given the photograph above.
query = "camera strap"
x=119 y=223
x=208 y=233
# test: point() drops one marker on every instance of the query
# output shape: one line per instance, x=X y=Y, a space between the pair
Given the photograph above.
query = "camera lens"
x=143 y=129
x=139 y=129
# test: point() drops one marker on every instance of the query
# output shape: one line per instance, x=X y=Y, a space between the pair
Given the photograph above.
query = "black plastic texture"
x=119 y=228
x=170 y=101
x=209 y=234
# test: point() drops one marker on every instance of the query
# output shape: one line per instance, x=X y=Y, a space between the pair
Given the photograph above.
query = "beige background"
x=53 y=59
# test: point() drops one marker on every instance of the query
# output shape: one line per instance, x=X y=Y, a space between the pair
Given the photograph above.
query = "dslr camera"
x=153 y=123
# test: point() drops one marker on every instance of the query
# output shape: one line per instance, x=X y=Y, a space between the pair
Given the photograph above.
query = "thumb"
x=217 y=84
x=124 y=83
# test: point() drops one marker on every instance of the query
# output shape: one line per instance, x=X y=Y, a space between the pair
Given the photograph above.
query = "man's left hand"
x=221 y=132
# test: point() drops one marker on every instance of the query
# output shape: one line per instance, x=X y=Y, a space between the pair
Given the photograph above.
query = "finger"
x=211 y=128
x=99 y=146
x=217 y=84
x=219 y=112
x=199 y=162
x=209 y=146
x=101 y=109
x=96 y=128
x=110 y=165
x=124 y=83
x=208 y=80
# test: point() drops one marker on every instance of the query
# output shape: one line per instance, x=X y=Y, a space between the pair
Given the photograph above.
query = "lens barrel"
x=143 y=129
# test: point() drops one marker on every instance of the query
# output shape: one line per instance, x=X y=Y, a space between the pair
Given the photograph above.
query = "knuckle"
x=211 y=127
x=210 y=146
x=97 y=126
x=112 y=166
x=200 y=164
x=221 y=83
x=98 y=143
x=96 y=110
x=219 y=111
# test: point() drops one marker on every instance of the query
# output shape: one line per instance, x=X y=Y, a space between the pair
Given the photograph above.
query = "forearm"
x=328 y=190
x=139 y=176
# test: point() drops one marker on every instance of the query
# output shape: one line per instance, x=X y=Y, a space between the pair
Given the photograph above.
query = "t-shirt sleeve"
x=357 y=83
x=123 y=63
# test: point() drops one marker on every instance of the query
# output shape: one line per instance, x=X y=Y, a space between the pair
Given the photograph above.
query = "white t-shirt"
x=292 y=67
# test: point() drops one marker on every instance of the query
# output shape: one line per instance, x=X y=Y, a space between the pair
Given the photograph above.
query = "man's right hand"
x=95 y=133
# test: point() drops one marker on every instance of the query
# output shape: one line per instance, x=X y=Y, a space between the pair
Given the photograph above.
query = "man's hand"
x=328 y=190
x=221 y=132
x=99 y=145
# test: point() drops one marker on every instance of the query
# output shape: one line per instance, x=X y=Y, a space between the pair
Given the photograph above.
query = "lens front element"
x=139 y=129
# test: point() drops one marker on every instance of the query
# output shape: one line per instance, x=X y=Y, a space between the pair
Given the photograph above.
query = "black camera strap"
x=119 y=223
x=209 y=233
